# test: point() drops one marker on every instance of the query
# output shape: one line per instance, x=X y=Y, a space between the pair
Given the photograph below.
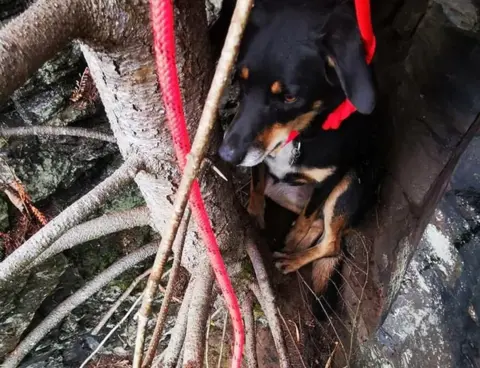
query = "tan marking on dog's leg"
x=329 y=245
x=305 y=231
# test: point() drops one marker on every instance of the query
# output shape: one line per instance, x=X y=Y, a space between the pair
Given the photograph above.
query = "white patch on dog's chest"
x=280 y=165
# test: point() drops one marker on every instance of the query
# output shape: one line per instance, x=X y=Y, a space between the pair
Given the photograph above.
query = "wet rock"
x=434 y=320
x=463 y=13
x=19 y=303
x=44 y=98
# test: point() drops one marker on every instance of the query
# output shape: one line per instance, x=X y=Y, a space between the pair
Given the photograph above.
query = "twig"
x=105 y=339
x=271 y=313
x=107 y=224
x=293 y=340
x=266 y=297
x=192 y=167
x=326 y=314
x=354 y=322
x=69 y=304
x=162 y=314
x=56 y=131
x=250 y=343
x=198 y=316
x=207 y=341
x=224 y=331
x=71 y=216
x=330 y=358
x=175 y=345
x=119 y=301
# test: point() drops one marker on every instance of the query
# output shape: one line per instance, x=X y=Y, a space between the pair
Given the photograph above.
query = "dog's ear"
x=345 y=53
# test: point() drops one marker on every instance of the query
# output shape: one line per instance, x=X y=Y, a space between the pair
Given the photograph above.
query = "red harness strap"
x=346 y=108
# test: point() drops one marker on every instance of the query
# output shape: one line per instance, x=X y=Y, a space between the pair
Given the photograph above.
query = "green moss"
x=128 y=199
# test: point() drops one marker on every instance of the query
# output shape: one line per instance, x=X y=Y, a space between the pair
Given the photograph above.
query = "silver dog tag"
x=295 y=152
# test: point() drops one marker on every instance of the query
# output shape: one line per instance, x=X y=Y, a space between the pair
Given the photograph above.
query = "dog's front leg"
x=308 y=226
x=256 y=201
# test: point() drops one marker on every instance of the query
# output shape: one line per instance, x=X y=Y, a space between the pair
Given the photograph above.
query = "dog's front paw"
x=286 y=263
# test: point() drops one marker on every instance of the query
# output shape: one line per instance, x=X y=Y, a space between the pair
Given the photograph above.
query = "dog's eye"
x=289 y=99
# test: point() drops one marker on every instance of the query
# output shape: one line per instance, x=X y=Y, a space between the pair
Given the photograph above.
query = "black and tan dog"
x=298 y=61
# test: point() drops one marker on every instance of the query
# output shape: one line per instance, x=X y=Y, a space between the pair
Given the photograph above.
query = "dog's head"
x=298 y=59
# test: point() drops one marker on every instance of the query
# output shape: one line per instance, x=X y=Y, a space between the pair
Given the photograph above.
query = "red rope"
x=164 y=42
x=346 y=108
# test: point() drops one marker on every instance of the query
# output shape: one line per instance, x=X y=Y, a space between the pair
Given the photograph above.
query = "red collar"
x=346 y=108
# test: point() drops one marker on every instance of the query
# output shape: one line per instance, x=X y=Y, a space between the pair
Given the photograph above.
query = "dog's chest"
x=284 y=162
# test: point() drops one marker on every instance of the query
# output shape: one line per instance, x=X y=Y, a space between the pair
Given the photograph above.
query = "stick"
x=162 y=314
x=69 y=304
x=57 y=131
x=224 y=331
x=107 y=224
x=266 y=297
x=105 y=339
x=19 y=260
x=271 y=313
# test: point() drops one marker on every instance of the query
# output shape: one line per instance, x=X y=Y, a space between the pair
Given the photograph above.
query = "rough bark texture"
x=20 y=39
x=126 y=80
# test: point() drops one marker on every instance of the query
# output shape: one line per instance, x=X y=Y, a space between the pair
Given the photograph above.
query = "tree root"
x=19 y=260
x=69 y=304
x=250 y=331
x=198 y=317
x=264 y=293
x=162 y=314
x=107 y=224
x=172 y=354
x=57 y=131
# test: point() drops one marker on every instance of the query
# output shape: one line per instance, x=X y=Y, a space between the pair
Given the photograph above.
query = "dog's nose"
x=227 y=153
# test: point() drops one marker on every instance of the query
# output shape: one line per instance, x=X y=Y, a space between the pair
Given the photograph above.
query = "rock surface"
x=434 y=320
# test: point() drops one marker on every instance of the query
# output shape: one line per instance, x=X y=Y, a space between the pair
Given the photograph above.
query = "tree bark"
x=35 y=36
